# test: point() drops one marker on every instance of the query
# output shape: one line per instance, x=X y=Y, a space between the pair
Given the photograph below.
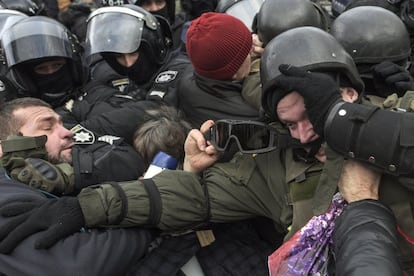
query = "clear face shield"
x=245 y=10
x=29 y=39
x=116 y=30
x=8 y=18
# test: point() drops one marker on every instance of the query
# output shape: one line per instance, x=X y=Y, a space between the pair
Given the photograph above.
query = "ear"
x=1 y=151
x=349 y=94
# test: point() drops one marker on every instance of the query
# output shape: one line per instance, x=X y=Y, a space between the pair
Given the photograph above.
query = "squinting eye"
x=290 y=125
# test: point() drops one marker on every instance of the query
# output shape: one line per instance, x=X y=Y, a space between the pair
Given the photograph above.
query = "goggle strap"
x=283 y=140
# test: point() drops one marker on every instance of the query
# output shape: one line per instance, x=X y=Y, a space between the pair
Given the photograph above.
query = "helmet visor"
x=114 y=32
x=245 y=11
x=26 y=41
x=9 y=18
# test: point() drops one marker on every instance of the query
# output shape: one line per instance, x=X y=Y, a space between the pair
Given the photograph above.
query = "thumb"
x=290 y=70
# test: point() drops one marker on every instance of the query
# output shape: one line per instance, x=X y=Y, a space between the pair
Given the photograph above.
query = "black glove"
x=391 y=78
x=319 y=90
x=59 y=217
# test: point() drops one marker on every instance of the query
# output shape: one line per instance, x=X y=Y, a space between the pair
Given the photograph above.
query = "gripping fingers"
x=15 y=209
x=387 y=68
x=289 y=83
x=54 y=234
x=290 y=70
x=25 y=175
x=10 y=236
x=399 y=77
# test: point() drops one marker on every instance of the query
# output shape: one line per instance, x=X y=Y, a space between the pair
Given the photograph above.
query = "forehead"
x=148 y=2
x=291 y=107
x=33 y=114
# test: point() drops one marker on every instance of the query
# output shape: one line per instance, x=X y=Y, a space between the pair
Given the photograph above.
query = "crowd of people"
x=272 y=108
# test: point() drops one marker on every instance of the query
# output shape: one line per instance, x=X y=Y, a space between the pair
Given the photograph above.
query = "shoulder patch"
x=2 y=86
x=120 y=84
x=69 y=105
x=166 y=76
x=82 y=136
x=157 y=93
x=109 y=139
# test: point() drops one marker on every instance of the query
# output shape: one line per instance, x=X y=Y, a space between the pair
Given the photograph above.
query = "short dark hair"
x=165 y=130
x=9 y=124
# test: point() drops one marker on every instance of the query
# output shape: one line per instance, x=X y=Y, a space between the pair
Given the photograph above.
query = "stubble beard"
x=60 y=159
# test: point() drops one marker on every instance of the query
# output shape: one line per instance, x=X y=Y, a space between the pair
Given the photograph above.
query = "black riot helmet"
x=28 y=7
x=311 y=49
x=37 y=39
x=391 y=5
x=277 y=16
x=372 y=34
x=168 y=12
x=339 y=6
x=127 y=29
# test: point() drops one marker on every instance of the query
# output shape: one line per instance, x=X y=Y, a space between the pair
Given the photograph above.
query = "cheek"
x=51 y=146
x=121 y=60
x=294 y=133
x=305 y=124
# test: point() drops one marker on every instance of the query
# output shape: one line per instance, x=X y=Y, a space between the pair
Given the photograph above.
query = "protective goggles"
x=250 y=136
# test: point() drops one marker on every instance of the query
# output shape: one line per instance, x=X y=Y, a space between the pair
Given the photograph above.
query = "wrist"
x=361 y=195
x=188 y=167
x=92 y=209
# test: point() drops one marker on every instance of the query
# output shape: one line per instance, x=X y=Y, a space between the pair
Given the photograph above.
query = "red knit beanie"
x=218 y=44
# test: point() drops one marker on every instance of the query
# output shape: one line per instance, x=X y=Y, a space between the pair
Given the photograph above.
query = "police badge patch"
x=82 y=136
x=166 y=76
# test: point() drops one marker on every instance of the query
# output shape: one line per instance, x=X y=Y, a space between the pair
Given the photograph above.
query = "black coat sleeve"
x=103 y=252
x=365 y=240
x=121 y=121
x=106 y=162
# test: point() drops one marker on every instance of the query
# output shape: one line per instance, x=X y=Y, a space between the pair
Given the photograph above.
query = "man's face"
x=244 y=69
x=292 y=112
x=127 y=60
x=49 y=67
x=154 y=5
x=39 y=120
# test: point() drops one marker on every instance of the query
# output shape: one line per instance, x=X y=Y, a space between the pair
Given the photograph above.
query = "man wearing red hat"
x=218 y=46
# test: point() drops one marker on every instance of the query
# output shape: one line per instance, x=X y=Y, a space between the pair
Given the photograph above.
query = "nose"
x=50 y=69
x=153 y=7
x=305 y=131
x=127 y=60
x=65 y=133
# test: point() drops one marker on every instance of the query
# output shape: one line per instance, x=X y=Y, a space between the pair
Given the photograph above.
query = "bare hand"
x=358 y=181
x=199 y=153
x=257 y=47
